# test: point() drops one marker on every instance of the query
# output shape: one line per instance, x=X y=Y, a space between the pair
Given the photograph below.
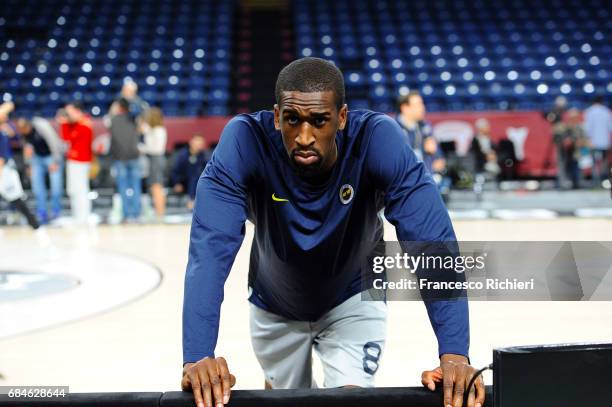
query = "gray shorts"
x=349 y=340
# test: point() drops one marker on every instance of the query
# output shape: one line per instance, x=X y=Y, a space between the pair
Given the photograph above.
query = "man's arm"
x=414 y=206
x=46 y=130
x=3 y=150
x=217 y=232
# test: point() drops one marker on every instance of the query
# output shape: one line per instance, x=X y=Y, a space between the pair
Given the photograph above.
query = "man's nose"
x=305 y=136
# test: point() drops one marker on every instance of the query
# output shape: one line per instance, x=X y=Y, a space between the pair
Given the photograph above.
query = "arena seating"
x=462 y=55
x=178 y=52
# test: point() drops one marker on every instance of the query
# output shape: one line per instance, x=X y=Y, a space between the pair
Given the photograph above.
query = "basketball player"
x=312 y=177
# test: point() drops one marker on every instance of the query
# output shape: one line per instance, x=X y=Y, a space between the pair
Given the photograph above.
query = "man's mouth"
x=305 y=157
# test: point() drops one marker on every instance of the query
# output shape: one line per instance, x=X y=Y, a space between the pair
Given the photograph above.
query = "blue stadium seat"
x=482 y=53
x=161 y=41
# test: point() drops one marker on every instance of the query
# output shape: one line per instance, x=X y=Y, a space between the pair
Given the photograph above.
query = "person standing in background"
x=484 y=150
x=555 y=118
x=598 y=127
x=46 y=150
x=188 y=167
x=136 y=106
x=16 y=145
x=76 y=129
x=575 y=141
x=419 y=136
x=124 y=153
x=411 y=118
x=10 y=184
x=155 y=138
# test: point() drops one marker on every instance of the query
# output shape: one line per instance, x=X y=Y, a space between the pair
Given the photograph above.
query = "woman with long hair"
x=155 y=138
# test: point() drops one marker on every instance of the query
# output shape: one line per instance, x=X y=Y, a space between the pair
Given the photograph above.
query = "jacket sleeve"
x=414 y=206
x=4 y=154
x=217 y=231
x=56 y=145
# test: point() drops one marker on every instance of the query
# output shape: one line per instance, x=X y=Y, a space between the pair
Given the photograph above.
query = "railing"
x=382 y=396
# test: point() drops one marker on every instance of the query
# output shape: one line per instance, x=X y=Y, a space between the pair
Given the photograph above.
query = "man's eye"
x=320 y=121
x=292 y=120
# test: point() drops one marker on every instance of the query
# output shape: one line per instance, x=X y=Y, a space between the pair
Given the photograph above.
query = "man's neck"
x=408 y=122
x=318 y=179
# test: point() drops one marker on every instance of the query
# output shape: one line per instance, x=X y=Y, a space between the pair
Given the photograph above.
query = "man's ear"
x=276 y=117
x=342 y=115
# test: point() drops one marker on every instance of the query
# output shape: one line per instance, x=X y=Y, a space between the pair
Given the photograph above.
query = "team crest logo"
x=346 y=193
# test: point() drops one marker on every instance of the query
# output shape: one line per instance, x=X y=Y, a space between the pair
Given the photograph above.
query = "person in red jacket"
x=76 y=129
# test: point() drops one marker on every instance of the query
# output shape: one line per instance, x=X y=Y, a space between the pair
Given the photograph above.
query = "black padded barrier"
x=381 y=396
x=376 y=397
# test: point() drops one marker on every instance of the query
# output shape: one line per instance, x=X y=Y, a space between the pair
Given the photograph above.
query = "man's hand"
x=178 y=188
x=455 y=373
x=429 y=378
x=210 y=380
x=438 y=165
x=53 y=167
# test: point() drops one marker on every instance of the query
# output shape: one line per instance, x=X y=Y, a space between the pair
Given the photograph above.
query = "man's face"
x=23 y=127
x=129 y=90
x=74 y=114
x=309 y=122
x=418 y=107
x=485 y=130
x=414 y=110
x=196 y=144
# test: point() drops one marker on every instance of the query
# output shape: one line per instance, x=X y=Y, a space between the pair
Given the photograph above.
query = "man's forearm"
x=450 y=322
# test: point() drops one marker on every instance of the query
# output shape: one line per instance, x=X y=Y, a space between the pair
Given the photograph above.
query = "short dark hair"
x=311 y=75
x=598 y=99
x=405 y=99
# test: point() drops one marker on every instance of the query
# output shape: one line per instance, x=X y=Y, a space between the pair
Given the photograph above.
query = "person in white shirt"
x=598 y=127
x=155 y=138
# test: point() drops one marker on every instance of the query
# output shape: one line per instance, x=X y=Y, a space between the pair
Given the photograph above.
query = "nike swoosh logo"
x=277 y=199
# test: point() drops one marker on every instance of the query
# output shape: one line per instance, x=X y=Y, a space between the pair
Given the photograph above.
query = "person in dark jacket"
x=188 y=166
x=484 y=150
x=10 y=184
x=124 y=152
x=47 y=159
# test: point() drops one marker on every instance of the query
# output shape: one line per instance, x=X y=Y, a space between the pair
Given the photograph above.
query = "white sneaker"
x=42 y=237
x=49 y=250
